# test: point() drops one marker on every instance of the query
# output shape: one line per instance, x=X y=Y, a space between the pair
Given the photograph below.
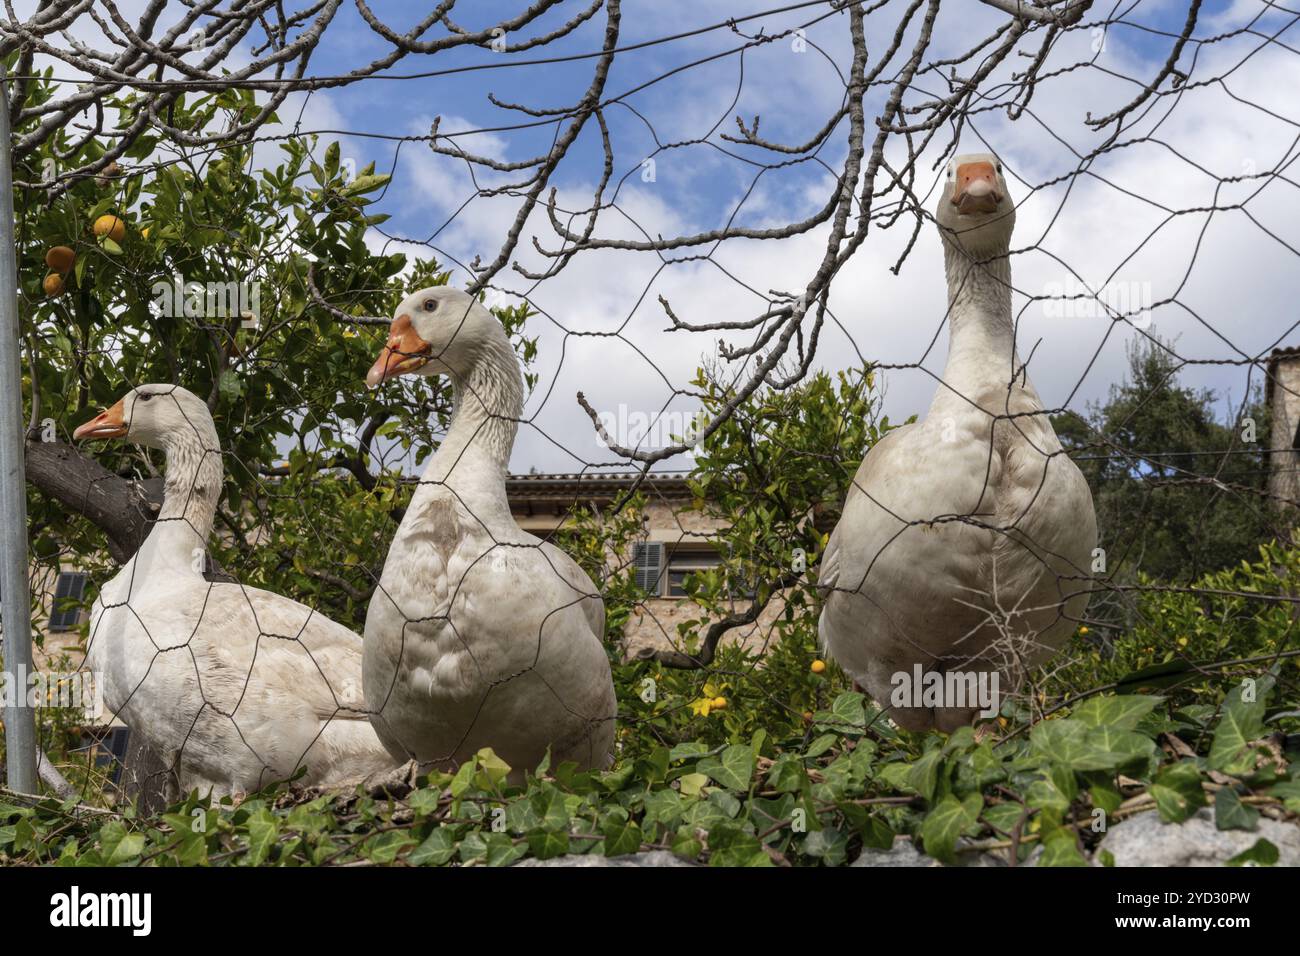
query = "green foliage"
x=758 y=802
x=287 y=394
x=1178 y=492
x=1240 y=613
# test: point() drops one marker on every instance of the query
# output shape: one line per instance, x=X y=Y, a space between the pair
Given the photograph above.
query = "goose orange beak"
x=976 y=189
x=107 y=424
x=405 y=352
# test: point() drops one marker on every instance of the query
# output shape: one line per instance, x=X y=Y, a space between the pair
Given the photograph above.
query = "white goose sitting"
x=234 y=687
x=479 y=635
x=965 y=535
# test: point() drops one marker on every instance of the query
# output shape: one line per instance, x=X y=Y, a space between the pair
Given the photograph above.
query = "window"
x=683 y=562
x=660 y=576
x=648 y=559
x=65 y=610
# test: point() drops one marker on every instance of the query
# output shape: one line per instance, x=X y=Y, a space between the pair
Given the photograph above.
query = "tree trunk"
x=124 y=510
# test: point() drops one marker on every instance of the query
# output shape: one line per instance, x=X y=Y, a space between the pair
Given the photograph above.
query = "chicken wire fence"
x=318 y=476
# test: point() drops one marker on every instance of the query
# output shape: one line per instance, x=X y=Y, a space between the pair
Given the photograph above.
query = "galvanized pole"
x=20 y=720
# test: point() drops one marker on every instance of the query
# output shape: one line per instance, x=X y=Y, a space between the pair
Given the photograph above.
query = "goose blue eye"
x=144 y=396
x=430 y=305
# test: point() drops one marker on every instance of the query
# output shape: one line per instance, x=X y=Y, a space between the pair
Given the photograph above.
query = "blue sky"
x=1233 y=285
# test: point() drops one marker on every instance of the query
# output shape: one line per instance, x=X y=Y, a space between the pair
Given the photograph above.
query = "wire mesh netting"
x=974 y=365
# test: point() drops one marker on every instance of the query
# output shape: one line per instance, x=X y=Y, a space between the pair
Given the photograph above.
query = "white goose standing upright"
x=479 y=635
x=233 y=687
x=965 y=535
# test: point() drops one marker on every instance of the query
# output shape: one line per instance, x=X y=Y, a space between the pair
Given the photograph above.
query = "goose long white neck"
x=191 y=492
x=487 y=401
x=981 y=349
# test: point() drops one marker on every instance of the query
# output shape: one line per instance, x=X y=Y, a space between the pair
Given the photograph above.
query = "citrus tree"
x=238 y=285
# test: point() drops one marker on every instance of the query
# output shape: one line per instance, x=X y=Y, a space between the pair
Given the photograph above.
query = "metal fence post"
x=20 y=720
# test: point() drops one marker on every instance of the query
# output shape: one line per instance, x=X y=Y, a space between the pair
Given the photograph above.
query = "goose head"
x=150 y=415
x=436 y=331
x=975 y=210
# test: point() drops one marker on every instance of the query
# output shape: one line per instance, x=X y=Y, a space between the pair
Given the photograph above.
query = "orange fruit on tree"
x=110 y=227
x=53 y=284
x=719 y=703
x=818 y=666
x=60 y=258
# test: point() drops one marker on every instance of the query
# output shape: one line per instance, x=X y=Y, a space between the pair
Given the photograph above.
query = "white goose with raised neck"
x=985 y=454
x=177 y=422
x=479 y=634
x=981 y=337
x=186 y=663
x=443 y=331
x=474 y=457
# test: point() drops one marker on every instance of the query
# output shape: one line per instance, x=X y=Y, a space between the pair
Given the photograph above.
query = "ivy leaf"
x=262 y=831
x=384 y=847
x=1242 y=722
x=1288 y=791
x=621 y=836
x=1119 y=713
x=545 y=844
x=1261 y=853
x=733 y=770
x=117 y=846
x=924 y=774
x=548 y=803
x=1003 y=816
x=849 y=712
x=1177 y=792
x=877 y=833
x=820 y=745
x=1231 y=814
x=492 y=770
x=1061 y=741
x=1074 y=744
x=437 y=849
x=685 y=844
x=787 y=774
x=1056 y=790
x=424 y=801
x=1105 y=796
x=663 y=806
x=730 y=845
x=828 y=845
x=943 y=824
x=896 y=775
x=1061 y=849
x=501 y=850
x=1122 y=749
x=692 y=783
